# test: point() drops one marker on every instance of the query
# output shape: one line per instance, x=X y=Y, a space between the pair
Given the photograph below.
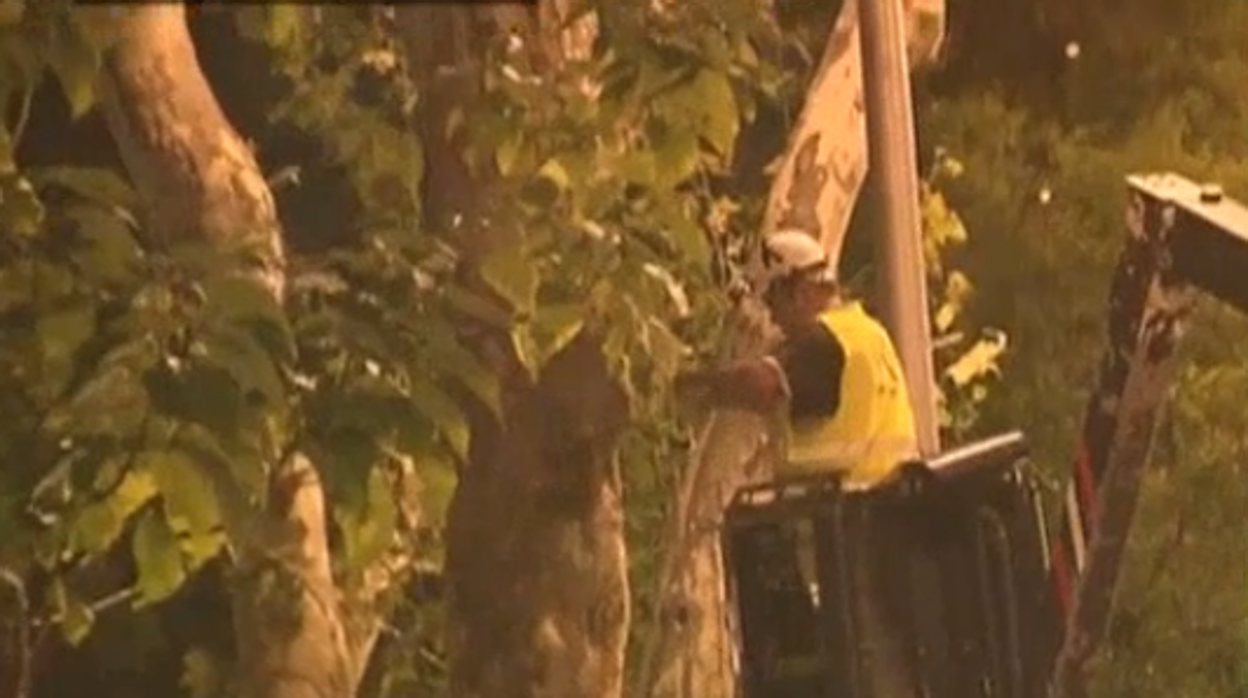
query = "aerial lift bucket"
x=954 y=552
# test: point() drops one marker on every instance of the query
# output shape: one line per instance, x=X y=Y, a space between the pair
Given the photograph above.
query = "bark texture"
x=536 y=563
x=815 y=190
x=537 y=566
x=199 y=181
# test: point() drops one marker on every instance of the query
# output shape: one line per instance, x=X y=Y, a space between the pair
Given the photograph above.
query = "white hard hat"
x=788 y=252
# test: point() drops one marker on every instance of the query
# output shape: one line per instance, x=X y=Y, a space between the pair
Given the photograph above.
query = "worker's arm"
x=808 y=372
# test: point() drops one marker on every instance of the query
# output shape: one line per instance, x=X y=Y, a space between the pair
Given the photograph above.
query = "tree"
x=575 y=209
x=170 y=413
x=198 y=181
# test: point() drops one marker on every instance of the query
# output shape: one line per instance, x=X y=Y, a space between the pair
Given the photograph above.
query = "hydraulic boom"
x=1181 y=238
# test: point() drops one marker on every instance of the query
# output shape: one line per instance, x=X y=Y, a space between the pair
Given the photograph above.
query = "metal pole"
x=893 y=178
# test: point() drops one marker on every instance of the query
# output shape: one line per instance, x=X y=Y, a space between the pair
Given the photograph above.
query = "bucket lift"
x=961 y=546
x=982 y=601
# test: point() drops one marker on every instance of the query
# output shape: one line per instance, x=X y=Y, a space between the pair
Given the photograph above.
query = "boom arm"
x=1181 y=238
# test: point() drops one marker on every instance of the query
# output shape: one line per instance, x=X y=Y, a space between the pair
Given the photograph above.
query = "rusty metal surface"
x=1182 y=237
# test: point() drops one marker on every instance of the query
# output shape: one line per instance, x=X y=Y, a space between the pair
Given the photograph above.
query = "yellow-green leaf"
x=677 y=158
x=76 y=65
x=554 y=172
x=91 y=183
x=513 y=276
x=551 y=330
x=506 y=156
x=368 y=532
x=158 y=558
x=99 y=524
x=76 y=617
x=459 y=363
x=190 y=499
x=979 y=360
x=720 y=121
x=445 y=415
x=202 y=676
x=437 y=484
x=199 y=548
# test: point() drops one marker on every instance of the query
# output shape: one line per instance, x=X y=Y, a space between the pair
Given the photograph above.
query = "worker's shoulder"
x=853 y=318
x=815 y=342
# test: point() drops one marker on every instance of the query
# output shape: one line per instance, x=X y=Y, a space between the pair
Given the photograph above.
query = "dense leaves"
x=147 y=391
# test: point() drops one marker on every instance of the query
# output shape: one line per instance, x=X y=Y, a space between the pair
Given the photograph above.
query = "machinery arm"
x=1182 y=238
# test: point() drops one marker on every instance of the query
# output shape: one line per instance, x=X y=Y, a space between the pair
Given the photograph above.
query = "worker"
x=848 y=411
x=848 y=407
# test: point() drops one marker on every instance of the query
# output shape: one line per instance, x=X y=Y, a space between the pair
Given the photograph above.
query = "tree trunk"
x=536 y=563
x=199 y=181
x=815 y=190
x=536 y=559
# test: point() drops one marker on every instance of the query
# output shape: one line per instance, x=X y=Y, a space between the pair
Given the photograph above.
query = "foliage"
x=1044 y=193
x=148 y=391
x=966 y=369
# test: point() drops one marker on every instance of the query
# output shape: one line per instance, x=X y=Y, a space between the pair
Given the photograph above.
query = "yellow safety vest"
x=872 y=432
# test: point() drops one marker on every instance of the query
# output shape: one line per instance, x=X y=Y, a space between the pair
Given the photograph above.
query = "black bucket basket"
x=951 y=558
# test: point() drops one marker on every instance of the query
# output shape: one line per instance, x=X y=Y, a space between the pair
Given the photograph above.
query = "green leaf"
x=477 y=307
x=945 y=316
x=666 y=350
x=239 y=354
x=549 y=332
x=205 y=395
x=94 y=184
x=639 y=167
x=244 y=301
x=557 y=325
x=21 y=212
x=438 y=480
x=349 y=454
x=979 y=360
x=445 y=415
x=200 y=548
x=455 y=361
x=158 y=558
x=98 y=525
x=76 y=66
x=284 y=24
x=704 y=108
x=685 y=233
x=677 y=157
x=245 y=463
x=76 y=618
x=111 y=253
x=113 y=402
x=190 y=497
x=506 y=156
x=62 y=333
x=554 y=172
x=202 y=675
x=513 y=276
x=720 y=120
x=369 y=532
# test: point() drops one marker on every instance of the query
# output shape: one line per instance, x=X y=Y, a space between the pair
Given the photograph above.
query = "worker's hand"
x=752 y=385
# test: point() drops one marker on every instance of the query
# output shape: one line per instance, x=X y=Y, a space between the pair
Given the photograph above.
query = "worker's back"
x=872 y=431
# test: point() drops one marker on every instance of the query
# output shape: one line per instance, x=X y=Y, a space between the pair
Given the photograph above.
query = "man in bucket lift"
x=848 y=407
x=849 y=410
